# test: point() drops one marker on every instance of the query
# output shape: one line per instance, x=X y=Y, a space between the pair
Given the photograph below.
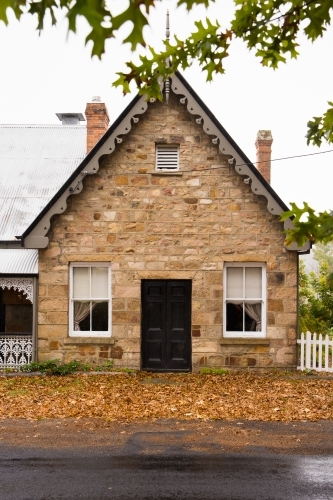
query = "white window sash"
x=247 y=304
x=83 y=311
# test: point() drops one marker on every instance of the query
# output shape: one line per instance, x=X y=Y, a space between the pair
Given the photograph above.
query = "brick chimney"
x=97 y=121
x=264 y=149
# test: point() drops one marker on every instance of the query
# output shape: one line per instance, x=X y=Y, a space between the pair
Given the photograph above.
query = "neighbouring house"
x=162 y=248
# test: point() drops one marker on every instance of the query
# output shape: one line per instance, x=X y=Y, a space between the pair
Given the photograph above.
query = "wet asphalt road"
x=105 y=473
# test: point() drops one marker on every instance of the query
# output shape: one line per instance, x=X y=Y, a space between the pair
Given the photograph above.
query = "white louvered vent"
x=167 y=157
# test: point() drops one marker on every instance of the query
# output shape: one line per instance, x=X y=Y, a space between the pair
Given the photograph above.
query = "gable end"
x=35 y=235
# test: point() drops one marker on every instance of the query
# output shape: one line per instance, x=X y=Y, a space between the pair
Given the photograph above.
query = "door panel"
x=166 y=325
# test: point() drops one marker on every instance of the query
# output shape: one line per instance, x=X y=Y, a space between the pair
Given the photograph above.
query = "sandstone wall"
x=185 y=225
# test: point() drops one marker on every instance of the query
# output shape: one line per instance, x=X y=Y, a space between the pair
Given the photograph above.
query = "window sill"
x=243 y=341
x=89 y=340
x=178 y=174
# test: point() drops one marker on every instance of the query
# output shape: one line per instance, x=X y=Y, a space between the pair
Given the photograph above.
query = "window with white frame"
x=90 y=300
x=244 y=300
x=167 y=157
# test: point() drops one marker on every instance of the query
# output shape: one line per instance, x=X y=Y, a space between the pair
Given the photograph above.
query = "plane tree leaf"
x=308 y=225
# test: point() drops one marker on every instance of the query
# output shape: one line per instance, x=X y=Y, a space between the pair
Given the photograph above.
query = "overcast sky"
x=52 y=73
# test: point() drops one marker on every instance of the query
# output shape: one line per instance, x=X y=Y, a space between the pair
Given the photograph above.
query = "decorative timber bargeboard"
x=35 y=236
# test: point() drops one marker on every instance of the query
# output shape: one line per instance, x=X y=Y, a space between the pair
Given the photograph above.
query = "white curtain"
x=81 y=311
x=254 y=311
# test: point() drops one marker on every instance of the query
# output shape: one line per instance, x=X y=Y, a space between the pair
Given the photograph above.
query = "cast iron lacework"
x=15 y=350
x=24 y=285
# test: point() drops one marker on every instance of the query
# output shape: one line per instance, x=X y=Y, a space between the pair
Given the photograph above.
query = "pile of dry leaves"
x=127 y=397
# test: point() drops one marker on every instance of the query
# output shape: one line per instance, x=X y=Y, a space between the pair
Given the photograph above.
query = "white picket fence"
x=315 y=352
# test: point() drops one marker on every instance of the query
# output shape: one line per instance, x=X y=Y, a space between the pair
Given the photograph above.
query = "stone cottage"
x=163 y=249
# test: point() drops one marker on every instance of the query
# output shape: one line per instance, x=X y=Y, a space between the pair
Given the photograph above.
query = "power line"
x=234 y=165
x=257 y=162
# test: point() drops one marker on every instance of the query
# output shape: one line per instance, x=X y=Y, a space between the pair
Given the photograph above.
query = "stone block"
x=130 y=345
x=115 y=227
x=287 y=319
x=265 y=361
x=193 y=182
x=216 y=361
x=42 y=318
x=52 y=252
x=214 y=278
x=260 y=349
x=241 y=361
x=290 y=306
x=203 y=318
x=140 y=180
x=52 y=331
x=109 y=215
x=275 y=279
x=275 y=305
x=204 y=346
x=286 y=356
x=121 y=317
x=213 y=305
x=276 y=332
x=54 y=345
x=121 y=180
x=52 y=277
x=291 y=335
x=127 y=291
x=57 y=318
x=134 y=227
x=43 y=345
x=133 y=304
x=52 y=304
x=117 y=352
x=59 y=291
x=48 y=356
x=86 y=350
x=232 y=207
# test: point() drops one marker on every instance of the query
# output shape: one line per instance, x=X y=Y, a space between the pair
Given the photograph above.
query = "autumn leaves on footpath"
x=130 y=397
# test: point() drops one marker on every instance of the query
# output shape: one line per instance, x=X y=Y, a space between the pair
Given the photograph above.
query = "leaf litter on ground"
x=124 y=397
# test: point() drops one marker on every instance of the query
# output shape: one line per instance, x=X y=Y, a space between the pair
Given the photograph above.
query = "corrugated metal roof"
x=35 y=161
x=20 y=261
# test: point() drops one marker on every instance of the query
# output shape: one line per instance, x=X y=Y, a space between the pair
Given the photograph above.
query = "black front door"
x=166 y=325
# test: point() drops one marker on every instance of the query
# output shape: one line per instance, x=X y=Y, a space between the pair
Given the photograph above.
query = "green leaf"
x=14 y=5
x=138 y=20
x=320 y=128
x=308 y=225
x=40 y=9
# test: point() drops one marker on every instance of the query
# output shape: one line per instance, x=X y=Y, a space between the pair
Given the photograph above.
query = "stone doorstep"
x=89 y=340
x=244 y=341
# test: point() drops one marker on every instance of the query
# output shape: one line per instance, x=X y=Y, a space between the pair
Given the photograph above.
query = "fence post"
x=308 y=351
x=302 y=342
x=320 y=352
x=326 y=352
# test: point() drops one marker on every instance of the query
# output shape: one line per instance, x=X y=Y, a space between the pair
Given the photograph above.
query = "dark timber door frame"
x=166 y=325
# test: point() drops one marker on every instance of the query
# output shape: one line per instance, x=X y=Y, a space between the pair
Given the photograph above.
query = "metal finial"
x=167 y=31
x=167 y=61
